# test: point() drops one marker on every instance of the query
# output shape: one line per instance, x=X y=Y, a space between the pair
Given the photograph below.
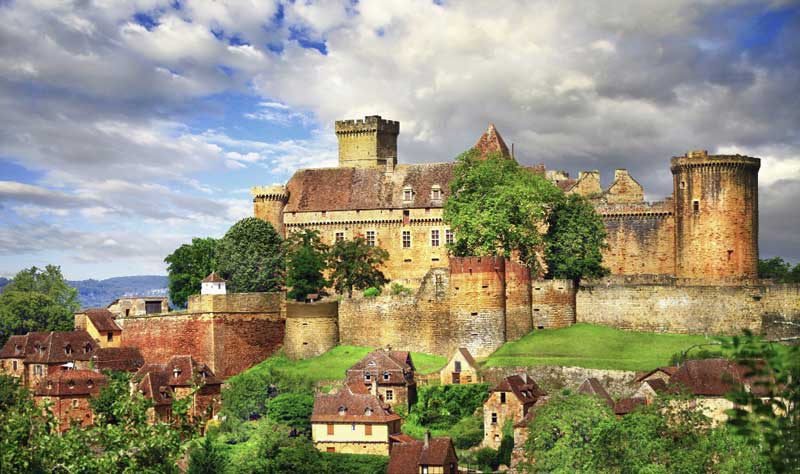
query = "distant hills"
x=100 y=293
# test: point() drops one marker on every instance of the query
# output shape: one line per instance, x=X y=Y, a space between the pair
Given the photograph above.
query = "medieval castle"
x=687 y=264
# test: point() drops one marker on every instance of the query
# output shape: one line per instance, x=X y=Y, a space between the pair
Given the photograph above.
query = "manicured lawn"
x=596 y=347
x=333 y=364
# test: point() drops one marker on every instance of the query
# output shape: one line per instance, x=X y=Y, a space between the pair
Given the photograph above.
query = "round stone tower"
x=478 y=303
x=311 y=329
x=716 y=215
x=268 y=204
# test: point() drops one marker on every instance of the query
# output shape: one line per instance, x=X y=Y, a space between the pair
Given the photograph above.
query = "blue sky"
x=127 y=128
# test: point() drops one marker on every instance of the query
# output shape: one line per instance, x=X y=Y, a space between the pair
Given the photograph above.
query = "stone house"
x=68 y=393
x=125 y=359
x=392 y=371
x=508 y=402
x=36 y=355
x=180 y=377
x=354 y=421
x=139 y=306
x=100 y=324
x=649 y=389
x=460 y=369
x=429 y=456
x=660 y=373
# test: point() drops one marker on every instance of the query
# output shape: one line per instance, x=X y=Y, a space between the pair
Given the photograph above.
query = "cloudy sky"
x=126 y=128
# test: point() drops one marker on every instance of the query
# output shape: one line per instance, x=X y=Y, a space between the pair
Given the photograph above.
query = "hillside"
x=95 y=293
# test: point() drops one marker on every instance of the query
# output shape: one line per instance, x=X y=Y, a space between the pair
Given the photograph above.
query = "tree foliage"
x=206 y=458
x=497 y=207
x=770 y=418
x=779 y=270
x=251 y=257
x=292 y=410
x=442 y=406
x=574 y=240
x=187 y=266
x=356 y=265
x=37 y=300
x=306 y=258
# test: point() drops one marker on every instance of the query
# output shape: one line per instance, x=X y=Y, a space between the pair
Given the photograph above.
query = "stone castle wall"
x=228 y=332
x=478 y=303
x=553 y=303
x=518 y=301
x=311 y=329
x=671 y=305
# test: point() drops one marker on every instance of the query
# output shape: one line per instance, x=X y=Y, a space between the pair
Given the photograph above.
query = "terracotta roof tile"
x=396 y=364
x=71 y=382
x=406 y=458
x=127 y=359
x=102 y=319
x=592 y=386
x=51 y=347
x=213 y=278
x=667 y=371
x=492 y=142
x=713 y=377
x=623 y=406
x=14 y=347
x=346 y=406
x=522 y=386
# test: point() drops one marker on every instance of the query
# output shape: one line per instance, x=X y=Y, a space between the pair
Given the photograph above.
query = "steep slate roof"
x=214 y=278
x=623 y=406
x=71 y=382
x=592 y=386
x=522 y=386
x=102 y=319
x=327 y=408
x=155 y=386
x=397 y=363
x=129 y=359
x=491 y=141
x=405 y=458
x=189 y=371
x=335 y=189
x=713 y=377
x=658 y=385
x=668 y=371
x=50 y=347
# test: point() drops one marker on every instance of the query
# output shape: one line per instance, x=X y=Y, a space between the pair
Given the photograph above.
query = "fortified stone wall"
x=311 y=328
x=227 y=332
x=518 y=301
x=553 y=303
x=669 y=305
x=641 y=238
x=478 y=303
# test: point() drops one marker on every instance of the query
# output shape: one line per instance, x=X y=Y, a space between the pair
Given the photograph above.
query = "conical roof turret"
x=492 y=142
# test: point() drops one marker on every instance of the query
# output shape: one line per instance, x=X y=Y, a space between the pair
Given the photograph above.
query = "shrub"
x=371 y=292
x=292 y=410
x=355 y=463
x=680 y=357
x=468 y=432
x=441 y=407
x=400 y=290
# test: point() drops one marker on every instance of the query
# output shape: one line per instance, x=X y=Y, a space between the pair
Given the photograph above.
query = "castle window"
x=696 y=206
x=338 y=236
x=503 y=397
x=371 y=238
x=436 y=193
x=408 y=194
x=110 y=336
x=406 y=239
x=448 y=237
x=494 y=418
x=389 y=395
x=730 y=254
x=435 y=238
x=683 y=184
x=14 y=365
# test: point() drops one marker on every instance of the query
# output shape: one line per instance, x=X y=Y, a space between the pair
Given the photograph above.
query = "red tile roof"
x=713 y=377
x=346 y=406
x=623 y=406
x=668 y=371
x=592 y=386
x=522 y=386
x=14 y=348
x=405 y=458
x=213 y=278
x=102 y=319
x=396 y=364
x=127 y=359
x=155 y=386
x=51 y=347
x=71 y=382
x=492 y=142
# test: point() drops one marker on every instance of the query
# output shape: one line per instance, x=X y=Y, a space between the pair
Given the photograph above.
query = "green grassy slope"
x=597 y=347
x=333 y=364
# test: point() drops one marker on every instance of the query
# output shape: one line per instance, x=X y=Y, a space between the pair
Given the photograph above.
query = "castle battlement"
x=275 y=192
x=370 y=123
x=703 y=159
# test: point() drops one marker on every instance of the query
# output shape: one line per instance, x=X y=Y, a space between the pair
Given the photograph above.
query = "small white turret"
x=213 y=285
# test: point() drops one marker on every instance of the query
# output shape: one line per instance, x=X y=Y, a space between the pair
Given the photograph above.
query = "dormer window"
x=87 y=348
x=176 y=372
x=203 y=374
x=342 y=410
x=17 y=349
x=68 y=349
x=436 y=193
x=386 y=376
x=368 y=412
x=367 y=376
x=408 y=194
x=89 y=383
x=71 y=384
x=371 y=363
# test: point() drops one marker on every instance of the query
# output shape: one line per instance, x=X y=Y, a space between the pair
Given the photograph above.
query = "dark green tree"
x=292 y=410
x=497 y=207
x=251 y=257
x=356 y=265
x=187 y=266
x=206 y=458
x=306 y=258
x=37 y=300
x=574 y=240
x=779 y=270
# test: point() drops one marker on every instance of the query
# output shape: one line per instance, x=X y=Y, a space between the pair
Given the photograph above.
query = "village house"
x=354 y=421
x=139 y=306
x=508 y=402
x=124 y=359
x=649 y=389
x=429 y=456
x=36 y=355
x=659 y=373
x=180 y=377
x=460 y=369
x=100 y=324
x=213 y=284
x=67 y=392
x=393 y=371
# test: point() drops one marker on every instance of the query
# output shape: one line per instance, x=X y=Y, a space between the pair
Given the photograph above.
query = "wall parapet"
x=236 y=303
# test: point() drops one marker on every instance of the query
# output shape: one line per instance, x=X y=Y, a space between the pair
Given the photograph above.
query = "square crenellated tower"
x=367 y=143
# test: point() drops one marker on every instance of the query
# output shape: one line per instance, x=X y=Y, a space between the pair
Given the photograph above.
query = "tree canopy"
x=306 y=258
x=37 y=300
x=356 y=265
x=187 y=266
x=574 y=240
x=251 y=257
x=779 y=270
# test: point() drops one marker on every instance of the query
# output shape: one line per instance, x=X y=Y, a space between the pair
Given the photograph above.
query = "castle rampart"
x=553 y=303
x=311 y=329
x=478 y=303
x=367 y=143
x=268 y=205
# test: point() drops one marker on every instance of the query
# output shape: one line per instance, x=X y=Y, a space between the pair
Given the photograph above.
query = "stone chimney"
x=427 y=439
x=374 y=388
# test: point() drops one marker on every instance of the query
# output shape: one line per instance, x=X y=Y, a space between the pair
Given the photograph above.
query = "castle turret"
x=478 y=303
x=716 y=215
x=367 y=143
x=519 y=320
x=311 y=329
x=268 y=204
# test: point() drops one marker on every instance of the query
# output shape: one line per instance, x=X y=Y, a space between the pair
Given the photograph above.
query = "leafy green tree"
x=251 y=257
x=356 y=265
x=497 y=207
x=277 y=453
x=247 y=395
x=206 y=458
x=574 y=240
x=305 y=261
x=292 y=410
x=37 y=300
x=768 y=416
x=187 y=266
x=779 y=270
x=105 y=403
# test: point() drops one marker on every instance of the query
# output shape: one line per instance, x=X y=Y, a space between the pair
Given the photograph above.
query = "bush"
x=468 y=432
x=400 y=290
x=355 y=463
x=248 y=394
x=441 y=407
x=680 y=357
x=371 y=292
x=292 y=410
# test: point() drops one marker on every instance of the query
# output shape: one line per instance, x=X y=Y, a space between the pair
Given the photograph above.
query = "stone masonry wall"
x=311 y=329
x=695 y=309
x=553 y=303
x=478 y=303
x=518 y=301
